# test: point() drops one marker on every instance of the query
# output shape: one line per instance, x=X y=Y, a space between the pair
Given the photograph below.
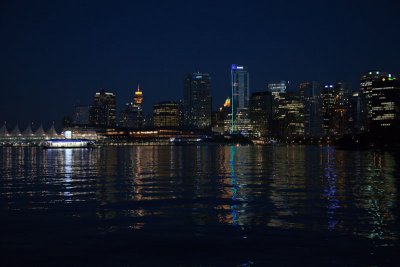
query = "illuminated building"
x=278 y=90
x=278 y=87
x=138 y=97
x=261 y=112
x=51 y=132
x=242 y=121
x=385 y=107
x=132 y=114
x=128 y=116
x=167 y=114
x=310 y=94
x=240 y=84
x=103 y=111
x=197 y=100
x=27 y=136
x=342 y=109
x=289 y=118
x=336 y=113
x=356 y=113
x=366 y=82
x=221 y=121
x=328 y=105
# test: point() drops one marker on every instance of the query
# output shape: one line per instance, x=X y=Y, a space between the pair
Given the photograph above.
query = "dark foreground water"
x=199 y=205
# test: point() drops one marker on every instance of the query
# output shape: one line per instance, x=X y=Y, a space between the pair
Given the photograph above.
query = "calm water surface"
x=199 y=205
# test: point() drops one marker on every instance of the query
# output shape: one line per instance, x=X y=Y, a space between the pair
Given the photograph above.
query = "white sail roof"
x=40 y=131
x=52 y=131
x=3 y=130
x=28 y=130
x=16 y=131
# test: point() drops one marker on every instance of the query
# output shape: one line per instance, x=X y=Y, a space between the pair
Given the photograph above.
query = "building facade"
x=240 y=84
x=167 y=115
x=385 y=108
x=197 y=102
x=261 y=112
x=103 y=111
x=310 y=94
x=132 y=114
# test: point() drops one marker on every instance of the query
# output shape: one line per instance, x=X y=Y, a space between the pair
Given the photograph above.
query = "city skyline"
x=57 y=55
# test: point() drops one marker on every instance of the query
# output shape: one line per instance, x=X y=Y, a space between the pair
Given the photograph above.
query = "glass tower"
x=240 y=90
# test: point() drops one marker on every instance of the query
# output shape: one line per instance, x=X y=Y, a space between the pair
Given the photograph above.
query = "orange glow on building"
x=227 y=103
x=138 y=97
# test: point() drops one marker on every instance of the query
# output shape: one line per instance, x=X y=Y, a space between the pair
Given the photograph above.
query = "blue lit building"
x=240 y=84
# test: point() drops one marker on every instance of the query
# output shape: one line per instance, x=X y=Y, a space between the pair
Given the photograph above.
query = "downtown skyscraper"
x=197 y=103
x=103 y=111
x=240 y=84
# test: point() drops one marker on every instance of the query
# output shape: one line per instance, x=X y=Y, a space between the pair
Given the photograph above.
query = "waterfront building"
x=342 y=109
x=197 y=103
x=51 y=132
x=28 y=131
x=310 y=94
x=4 y=131
x=261 y=112
x=328 y=108
x=240 y=84
x=336 y=110
x=128 y=116
x=167 y=115
x=243 y=122
x=385 y=107
x=289 y=118
x=39 y=132
x=103 y=111
x=132 y=115
x=356 y=113
x=220 y=121
x=16 y=132
x=138 y=108
x=366 y=81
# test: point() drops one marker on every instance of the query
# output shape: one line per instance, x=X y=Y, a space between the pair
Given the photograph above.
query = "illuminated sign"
x=235 y=67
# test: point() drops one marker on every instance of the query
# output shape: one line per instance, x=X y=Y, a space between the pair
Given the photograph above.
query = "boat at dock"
x=68 y=143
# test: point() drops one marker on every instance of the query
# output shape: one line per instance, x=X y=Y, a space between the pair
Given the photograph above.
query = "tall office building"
x=278 y=87
x=366 y=81
x=240 y=84
x=385 y=107
x=328 y=108
x=103 y=111
x=261 y=112
x=310 y=94
x=289 y=118
x=197 y=103
x=356 y=115
x=167 y=114
x=278 y=90
x=342 y=113
x=132 y=114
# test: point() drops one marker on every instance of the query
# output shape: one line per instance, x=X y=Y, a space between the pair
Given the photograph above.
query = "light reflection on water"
x=313 y=189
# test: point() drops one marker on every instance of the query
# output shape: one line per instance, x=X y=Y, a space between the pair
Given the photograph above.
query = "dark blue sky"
x=55 y=54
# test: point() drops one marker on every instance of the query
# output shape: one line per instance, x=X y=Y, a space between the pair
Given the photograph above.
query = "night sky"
x=55 y=54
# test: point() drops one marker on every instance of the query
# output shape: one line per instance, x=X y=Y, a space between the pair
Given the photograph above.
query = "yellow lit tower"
x=138 y=98
x=137 y=108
